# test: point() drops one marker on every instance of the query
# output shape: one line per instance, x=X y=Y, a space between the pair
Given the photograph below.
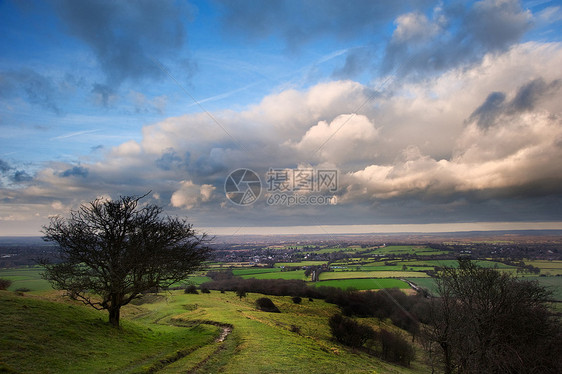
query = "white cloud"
x=189 y=195
x=415 y=139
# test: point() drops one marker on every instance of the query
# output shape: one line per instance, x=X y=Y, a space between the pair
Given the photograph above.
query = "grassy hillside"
x=40 y=336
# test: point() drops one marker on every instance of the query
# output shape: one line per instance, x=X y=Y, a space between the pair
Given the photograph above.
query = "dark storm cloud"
x=457 y=35
x=76 y=171
x=126 y=36
x=299 y=22
x=4 y=166
x=168 y=160
x=486 y=114
x=36 y=88
x=529 y=94
x=21 y=176
x=525 y=99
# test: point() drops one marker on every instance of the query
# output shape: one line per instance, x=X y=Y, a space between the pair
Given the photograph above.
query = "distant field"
x=302 y=263
x=371 y=274
x=406 y=249
x=364 y=284
x=247 y=271
x=455 y=263
x=26 y=277
x=297 y=274
x=427 y=283
x=547 y=267
x=381 y=268
x=554 y=284
x=332 y=250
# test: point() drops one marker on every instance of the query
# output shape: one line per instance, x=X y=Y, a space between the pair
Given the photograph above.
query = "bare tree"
x=112 y=251
x=488 y=321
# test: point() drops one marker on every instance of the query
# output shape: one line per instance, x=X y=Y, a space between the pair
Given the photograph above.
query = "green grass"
x=247 y=271
x=455 y=263
x=547 y=267
x=371 y=274
x=297 y=274
x=26 y=277
x=39 y=336
x=364 y=284
x=52 y=337
x=299 y=264
x=406 y=249
x=427 y=283
x=333 y=250
x=263 y=342
x=554 y=284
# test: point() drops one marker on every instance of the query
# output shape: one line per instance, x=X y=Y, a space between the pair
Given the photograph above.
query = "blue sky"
x=432 y=112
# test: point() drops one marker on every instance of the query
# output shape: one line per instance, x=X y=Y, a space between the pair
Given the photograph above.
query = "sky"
x=284 y=116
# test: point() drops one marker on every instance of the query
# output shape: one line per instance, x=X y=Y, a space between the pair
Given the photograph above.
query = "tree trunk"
x=114 y=310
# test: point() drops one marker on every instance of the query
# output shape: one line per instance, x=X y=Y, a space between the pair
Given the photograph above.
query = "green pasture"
x=547 y=267
x=26 y=277
x=364 y=284
x=334 y=250
x=256 y=270
x=300 y=264
x=297 y=274
x=406 y=249
x=371 y=274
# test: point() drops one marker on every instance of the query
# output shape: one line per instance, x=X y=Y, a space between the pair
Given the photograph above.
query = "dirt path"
x=225 y=332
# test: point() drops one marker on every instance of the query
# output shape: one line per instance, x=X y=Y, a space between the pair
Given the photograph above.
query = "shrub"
x=23 y=289
x=297 y=299
x=205 y=290
x=191 y=289
x=5 y=283
x=350 y=332
x=266 y=305
x=241 y=293
x=395 y=348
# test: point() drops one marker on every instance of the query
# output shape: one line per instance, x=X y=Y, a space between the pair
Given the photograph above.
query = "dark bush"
x=23 y=289
x=191 y=289
x=350 y=332
x=266 y=305
x=5 y=283
x=395 y=348
x=241 y=293
x=297 y=299
x=205 y=290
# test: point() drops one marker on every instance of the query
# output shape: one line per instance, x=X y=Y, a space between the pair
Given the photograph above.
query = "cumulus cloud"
x=451 y=146
x=189 y=194
x=348 y=137
x=455 y=35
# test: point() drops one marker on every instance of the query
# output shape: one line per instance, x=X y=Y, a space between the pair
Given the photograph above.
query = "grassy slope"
x=263 y=343
x=39 y=336
x=42 y=336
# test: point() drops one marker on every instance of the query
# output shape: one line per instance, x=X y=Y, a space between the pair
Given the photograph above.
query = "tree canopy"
x=488 y=321
x=110 y=252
